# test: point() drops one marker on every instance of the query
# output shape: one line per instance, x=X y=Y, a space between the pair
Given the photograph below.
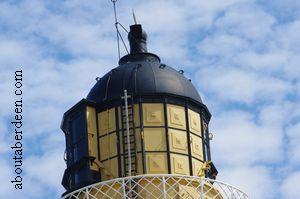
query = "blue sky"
x=243 y=56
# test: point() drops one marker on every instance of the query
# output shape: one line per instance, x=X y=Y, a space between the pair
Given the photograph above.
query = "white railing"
x=158 y=186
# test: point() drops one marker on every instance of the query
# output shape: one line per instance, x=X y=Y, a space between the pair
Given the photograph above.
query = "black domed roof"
x=141 y=73
x=142 y=77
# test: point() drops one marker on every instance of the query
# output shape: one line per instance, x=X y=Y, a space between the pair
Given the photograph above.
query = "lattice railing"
x=158 y=186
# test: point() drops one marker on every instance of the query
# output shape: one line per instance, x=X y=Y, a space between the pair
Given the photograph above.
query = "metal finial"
x=134 y=19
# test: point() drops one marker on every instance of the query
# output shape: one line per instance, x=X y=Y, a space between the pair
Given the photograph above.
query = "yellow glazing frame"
x=92 y=135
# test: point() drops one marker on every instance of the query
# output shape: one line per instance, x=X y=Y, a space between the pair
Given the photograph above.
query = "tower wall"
x=170 y=137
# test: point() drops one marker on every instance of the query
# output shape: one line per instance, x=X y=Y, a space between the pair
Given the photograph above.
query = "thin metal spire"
x=134 y=19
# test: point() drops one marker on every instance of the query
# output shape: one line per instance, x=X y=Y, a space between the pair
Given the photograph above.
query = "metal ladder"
x=129 y=142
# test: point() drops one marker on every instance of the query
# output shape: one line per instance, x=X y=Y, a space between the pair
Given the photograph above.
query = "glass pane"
x=79 y=150
x=78 y=128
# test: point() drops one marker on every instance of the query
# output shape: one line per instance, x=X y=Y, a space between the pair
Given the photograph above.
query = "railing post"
x=231 y=193
x=201 y=196
x=124 y=188
x=164 y=187
x=87 y=193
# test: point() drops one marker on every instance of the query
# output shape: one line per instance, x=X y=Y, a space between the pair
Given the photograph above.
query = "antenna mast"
x=119 y=36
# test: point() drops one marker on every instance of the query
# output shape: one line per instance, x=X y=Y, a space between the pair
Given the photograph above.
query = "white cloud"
x=246 y=20
x=290 y=187
x=265 y=62
x=48 y=164
x=6 y=176
x=223 y=44
x=202 y=14
x=4 y=146
x=257 y=182
x=294 y=149
x=238 y=85
x=238 y=140
x=284 y=10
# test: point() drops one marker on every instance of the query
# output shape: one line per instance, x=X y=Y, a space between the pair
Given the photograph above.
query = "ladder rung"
x=132 y=167
x=130 y=121
x=124 y=108
x=132 y=170
x=126 y=144
x=128 y=96
x=126 y=157
x=131 y=139
x=131 y=164
x=132 y=161
x=124 y=124
x=129 y=114
x=131 y=155
x=125 y=136
x=125 y=132
x=132 y=142
x=130 y=136
x=130 y=118
x=131 y=150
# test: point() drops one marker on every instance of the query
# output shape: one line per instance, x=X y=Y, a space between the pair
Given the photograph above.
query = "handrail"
x=119 y=186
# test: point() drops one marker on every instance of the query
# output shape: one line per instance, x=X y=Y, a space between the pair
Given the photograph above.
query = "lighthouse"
x=141 y=132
